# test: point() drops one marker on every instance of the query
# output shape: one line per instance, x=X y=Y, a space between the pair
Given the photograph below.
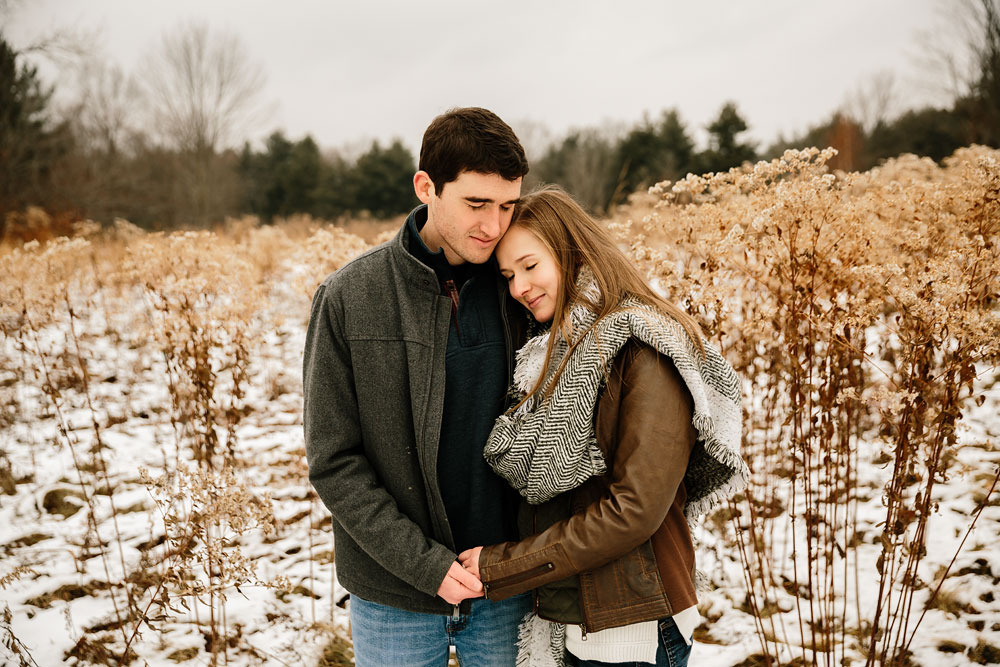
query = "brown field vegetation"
x=137 y=372
x=861 y=309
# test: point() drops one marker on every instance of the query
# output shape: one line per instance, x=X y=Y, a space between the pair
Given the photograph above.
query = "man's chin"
x=477 y=256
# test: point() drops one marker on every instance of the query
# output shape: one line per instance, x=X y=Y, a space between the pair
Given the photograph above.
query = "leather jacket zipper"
x=512 y=579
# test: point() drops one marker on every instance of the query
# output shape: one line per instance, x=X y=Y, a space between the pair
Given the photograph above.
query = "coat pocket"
x=626 y=590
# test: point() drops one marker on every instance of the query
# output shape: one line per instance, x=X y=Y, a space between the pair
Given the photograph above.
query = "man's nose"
x=490 y=223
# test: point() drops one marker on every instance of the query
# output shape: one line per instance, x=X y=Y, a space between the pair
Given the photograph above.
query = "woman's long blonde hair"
x=575 y=240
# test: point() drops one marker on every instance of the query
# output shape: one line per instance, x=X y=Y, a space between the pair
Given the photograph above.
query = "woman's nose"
x=519 y=286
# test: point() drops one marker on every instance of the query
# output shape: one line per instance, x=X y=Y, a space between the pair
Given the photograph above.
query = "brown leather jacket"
x=623 y=533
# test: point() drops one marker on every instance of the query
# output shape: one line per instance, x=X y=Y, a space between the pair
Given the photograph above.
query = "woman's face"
x=531 y=271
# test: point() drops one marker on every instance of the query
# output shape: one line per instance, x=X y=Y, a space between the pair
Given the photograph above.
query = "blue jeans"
x=673 y=651
x=486 y=636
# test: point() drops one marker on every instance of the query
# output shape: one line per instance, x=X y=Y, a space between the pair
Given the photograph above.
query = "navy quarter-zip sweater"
x=477 y=501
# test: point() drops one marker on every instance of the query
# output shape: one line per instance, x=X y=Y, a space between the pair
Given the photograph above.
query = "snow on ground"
x=64 y=597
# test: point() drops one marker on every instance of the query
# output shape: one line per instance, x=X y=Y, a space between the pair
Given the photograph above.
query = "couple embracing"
x=511 y=430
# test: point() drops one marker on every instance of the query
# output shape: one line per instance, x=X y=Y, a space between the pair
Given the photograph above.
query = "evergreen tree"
x=651 y=153
x=724 y=148
x=292 y=177
x=251 y=178
x=383 y=179
x=279 y=152
x=300 y=178
x=935 y=133
x=29 y=147
x=281 y=180
x=335 y=194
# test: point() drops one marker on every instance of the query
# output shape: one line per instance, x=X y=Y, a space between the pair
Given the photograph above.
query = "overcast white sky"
x=347 y=72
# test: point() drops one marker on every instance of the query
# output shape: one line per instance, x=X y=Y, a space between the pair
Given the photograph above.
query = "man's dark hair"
x=470 y=139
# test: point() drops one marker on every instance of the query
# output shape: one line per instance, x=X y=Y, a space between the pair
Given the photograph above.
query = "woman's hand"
x=460 y=584
x=470 y=559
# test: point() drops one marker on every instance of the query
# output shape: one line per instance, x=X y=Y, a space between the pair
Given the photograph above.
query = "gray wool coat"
x=373 y=380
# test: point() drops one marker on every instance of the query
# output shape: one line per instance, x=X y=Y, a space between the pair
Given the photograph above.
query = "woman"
x=631 y=431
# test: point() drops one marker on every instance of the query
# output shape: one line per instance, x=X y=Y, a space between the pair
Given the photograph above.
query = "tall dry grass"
x=860 y=310
x=192 y=308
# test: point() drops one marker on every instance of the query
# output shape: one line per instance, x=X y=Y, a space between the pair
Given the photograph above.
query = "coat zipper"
x=512 y=579
x=452 y=290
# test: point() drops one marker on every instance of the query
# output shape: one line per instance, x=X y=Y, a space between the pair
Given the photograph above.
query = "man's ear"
x=423 y=186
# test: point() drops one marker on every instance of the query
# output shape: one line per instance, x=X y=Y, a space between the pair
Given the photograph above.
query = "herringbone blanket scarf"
x=547 y=447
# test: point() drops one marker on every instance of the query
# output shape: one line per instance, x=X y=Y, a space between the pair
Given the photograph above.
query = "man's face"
x=469 y=217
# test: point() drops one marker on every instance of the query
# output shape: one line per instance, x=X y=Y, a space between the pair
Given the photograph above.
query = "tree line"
x=174 y=165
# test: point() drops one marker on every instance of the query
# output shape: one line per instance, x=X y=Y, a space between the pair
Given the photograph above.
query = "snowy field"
x=67 y=548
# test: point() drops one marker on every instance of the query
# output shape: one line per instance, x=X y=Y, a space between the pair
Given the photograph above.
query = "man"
x=407 y=360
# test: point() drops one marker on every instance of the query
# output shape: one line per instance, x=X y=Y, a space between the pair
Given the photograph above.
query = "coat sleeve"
x=339 y=468
x=654 y=437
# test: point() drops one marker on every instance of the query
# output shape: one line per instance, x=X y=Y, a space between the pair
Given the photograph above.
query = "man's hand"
x=460 y=584
x=470 y=560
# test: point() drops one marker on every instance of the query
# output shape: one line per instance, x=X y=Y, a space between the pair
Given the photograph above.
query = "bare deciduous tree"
x=987 y=86
x=202 y=88
x=875 y=100
x=104 y=114
x=535 y=136
x=961 y=46
x=203 y=94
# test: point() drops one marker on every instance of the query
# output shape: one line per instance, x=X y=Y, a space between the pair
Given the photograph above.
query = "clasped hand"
x=462 y=581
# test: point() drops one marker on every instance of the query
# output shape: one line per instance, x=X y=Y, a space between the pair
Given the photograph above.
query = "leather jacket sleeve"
x=644 y=427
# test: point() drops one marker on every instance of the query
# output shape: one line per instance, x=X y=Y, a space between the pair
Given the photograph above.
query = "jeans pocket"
x=674 y=645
